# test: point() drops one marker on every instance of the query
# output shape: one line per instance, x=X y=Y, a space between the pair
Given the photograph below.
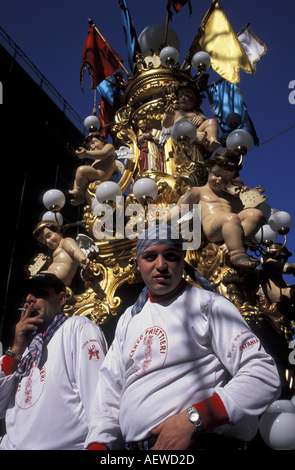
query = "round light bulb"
x=54 y=200
x=53 y=217
x=257 y=238
x=184 y=132
x=108 y=191
x=280 y=221
x=268 y=234
x=233 y=120
x=153 y=37
x=145 y=187
x=239 y=140
x=169 y=56
x=92 y=123
x=277 y=425
x=265 y=209
x=201 y=61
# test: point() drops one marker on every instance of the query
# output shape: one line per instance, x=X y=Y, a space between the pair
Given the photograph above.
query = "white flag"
x=252 y=46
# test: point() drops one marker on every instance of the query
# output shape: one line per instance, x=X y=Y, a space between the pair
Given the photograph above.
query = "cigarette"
x=23 y=309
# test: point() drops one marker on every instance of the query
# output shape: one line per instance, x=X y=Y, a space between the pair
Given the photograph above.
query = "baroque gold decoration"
x=114 y=266
x=240 y=287
x=145 y=98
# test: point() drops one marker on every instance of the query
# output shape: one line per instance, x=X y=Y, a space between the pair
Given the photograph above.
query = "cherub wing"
x=124 y=152
x=86 y=244
x=165 y=134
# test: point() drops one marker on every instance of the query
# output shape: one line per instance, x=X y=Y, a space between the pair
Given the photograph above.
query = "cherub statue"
x=189 y=102
x=222 y=215
x=103 y=155
x=66 y=254
x=276 y=290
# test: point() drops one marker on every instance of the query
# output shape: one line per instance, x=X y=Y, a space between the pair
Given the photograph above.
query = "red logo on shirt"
x=91 y=346
x=30 y=388
x=150 y=346
x=93 y=353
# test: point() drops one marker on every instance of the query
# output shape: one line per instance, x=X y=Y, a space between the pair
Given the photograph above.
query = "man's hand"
x=26 y=325
x=175 y=433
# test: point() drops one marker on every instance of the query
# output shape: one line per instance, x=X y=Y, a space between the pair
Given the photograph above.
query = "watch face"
x=194 y=416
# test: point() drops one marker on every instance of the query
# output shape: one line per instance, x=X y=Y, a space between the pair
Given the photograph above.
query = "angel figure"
x=103 y=155
x=189 y=108
x=273 y=267
x=66 y=254
x=223 y=218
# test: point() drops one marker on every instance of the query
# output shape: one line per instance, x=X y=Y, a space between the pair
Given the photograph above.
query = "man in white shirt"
x=182 y=364
x=49 y=375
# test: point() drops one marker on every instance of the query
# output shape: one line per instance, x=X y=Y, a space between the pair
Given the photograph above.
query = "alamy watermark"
x=292 y=93
x=129 y=222
x=292 y=353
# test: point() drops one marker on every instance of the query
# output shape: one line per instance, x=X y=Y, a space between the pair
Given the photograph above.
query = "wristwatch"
x=194 y=418
x=12 y=354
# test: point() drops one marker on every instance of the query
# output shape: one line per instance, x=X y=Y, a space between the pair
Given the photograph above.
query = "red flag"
x=99 y=58
x=178 y=5
x=106 y=116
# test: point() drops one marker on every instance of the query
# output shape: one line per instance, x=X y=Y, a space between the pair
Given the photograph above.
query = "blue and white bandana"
x=158 y=235
x=163 y=235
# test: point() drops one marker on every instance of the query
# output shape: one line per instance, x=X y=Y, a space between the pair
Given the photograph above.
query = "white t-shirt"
x=176 y=353
x=52 y=406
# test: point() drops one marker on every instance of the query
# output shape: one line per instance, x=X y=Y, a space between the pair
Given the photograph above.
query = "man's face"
x=45 y=303
x=161 y=268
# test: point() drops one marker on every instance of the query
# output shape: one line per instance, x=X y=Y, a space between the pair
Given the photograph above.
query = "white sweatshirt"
x=50 y=409
x=176 y=353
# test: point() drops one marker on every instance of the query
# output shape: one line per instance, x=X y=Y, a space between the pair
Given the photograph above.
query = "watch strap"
x=198 y=424
x=12 y=354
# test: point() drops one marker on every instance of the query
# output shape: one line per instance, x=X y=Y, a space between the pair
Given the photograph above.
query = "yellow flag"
x=217 y=37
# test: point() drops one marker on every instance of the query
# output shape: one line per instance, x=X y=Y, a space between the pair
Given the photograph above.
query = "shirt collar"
x=170 y=294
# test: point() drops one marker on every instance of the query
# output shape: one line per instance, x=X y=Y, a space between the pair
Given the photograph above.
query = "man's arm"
x=178 y=433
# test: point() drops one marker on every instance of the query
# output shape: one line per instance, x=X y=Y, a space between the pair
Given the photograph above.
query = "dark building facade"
x=39 y=134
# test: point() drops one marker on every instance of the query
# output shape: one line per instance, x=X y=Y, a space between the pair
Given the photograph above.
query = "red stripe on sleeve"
x=9 y=365
x=212 y=412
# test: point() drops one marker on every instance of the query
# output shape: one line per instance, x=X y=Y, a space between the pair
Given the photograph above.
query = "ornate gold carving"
x=114 y=266
x=240 y=287
x=145 y=98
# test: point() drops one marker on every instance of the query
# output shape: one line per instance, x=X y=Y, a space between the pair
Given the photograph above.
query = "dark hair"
x=191 y=86
x=96 y=135
x=225 y=158
x=38 y=230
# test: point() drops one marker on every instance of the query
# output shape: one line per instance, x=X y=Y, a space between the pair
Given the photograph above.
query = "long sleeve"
x=255 y=380
x=88 y=349
x=51 y=408
x=8 y=386
x=104 y=427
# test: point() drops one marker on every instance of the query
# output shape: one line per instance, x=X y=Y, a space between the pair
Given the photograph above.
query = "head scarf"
x=158 y=235
x=162 y=235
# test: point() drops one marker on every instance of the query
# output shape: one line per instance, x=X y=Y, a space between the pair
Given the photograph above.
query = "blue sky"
x=52 y=34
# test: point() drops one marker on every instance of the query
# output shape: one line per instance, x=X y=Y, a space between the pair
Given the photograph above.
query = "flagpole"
x=167 y=28
x=108 y=46
x=199 y=33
